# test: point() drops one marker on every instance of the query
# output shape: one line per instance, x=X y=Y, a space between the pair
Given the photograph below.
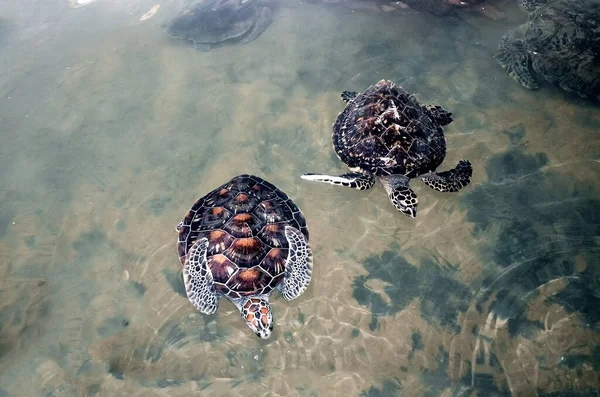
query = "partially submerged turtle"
x=215 y=21
x=384 y=132
x=560 y=42
x=243 y=240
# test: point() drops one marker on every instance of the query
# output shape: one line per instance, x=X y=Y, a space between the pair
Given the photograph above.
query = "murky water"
x=111 y=130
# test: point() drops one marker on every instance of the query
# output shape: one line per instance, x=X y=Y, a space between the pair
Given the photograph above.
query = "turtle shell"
x=214 y=21
x=563 y=40
x=244 y=221
x=385 y=130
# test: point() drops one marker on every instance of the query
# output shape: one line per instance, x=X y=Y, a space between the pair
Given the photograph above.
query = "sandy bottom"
x=110 y=131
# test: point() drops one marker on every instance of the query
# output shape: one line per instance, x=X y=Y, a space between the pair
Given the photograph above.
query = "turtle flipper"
x=347 y=96
x=513 y=57
x=262 y=22
x=298 y=267
x=355 y=180
x=439 y=114
x=452 y=180
x=400 y=194
x=198 y=279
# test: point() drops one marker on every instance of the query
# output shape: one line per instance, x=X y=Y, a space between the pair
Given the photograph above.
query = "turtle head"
x=256 y=311
x=400 y=194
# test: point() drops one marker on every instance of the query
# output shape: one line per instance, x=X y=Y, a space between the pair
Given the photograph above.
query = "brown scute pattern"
x=218 y=240
x=244 y=221
x=211 y=218
x=277 y=280
x=273 y=234
x=274 y=262
x=250 y=281
x=247 y=252
x=385 y=130
x=264 y=191
x=267 y=211
x=219 y=198
x=241 y=225
x=222 y=268
x=242 y=203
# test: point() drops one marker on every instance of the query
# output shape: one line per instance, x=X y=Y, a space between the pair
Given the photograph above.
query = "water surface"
x=111 y=130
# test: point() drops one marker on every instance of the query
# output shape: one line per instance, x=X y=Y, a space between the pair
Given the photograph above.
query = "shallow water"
x=110 y=131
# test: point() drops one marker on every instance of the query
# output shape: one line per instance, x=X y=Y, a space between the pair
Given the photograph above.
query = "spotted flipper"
x=512 y=56
x=347 y=96
x=439 y=114
x=298 y=267
x=452 y=180
x=198 y=279
x=355 y=180
x=400 y=194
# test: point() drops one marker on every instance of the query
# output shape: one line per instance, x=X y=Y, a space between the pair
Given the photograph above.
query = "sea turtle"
x=384 y=132
x=209 y=22
x=560 y=42
x=242 y=241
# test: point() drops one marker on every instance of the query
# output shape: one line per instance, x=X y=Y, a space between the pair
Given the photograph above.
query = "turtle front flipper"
x=355 y=180
x=298 y=266
x=512 y=56
x=347 y=96
x=400 y=194
x=198 y=279
x=452 y=180
x=438 y=114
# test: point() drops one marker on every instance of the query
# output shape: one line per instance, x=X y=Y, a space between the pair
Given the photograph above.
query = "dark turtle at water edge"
x=210 y=22
x=386 y=133
x=243 y=240
x=560 y=43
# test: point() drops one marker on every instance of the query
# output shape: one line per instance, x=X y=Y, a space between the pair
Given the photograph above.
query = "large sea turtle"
x=209 y=22
x=243 y=240
x=385 y=132
x=560 y=42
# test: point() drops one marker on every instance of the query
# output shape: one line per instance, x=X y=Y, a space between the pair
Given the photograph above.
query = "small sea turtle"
x=214 y=21
x=560 y=42
x=384 y=132
x=242 y=241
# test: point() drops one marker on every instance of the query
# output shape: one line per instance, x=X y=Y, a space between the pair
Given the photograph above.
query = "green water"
x=110 y=131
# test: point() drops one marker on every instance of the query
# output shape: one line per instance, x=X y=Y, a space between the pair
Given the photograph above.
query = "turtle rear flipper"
x=198 y=279
x=347 y=96
x=298 y=267
x=262 y=22
x=355 y=180
x=513 y=57
x=452 y=180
